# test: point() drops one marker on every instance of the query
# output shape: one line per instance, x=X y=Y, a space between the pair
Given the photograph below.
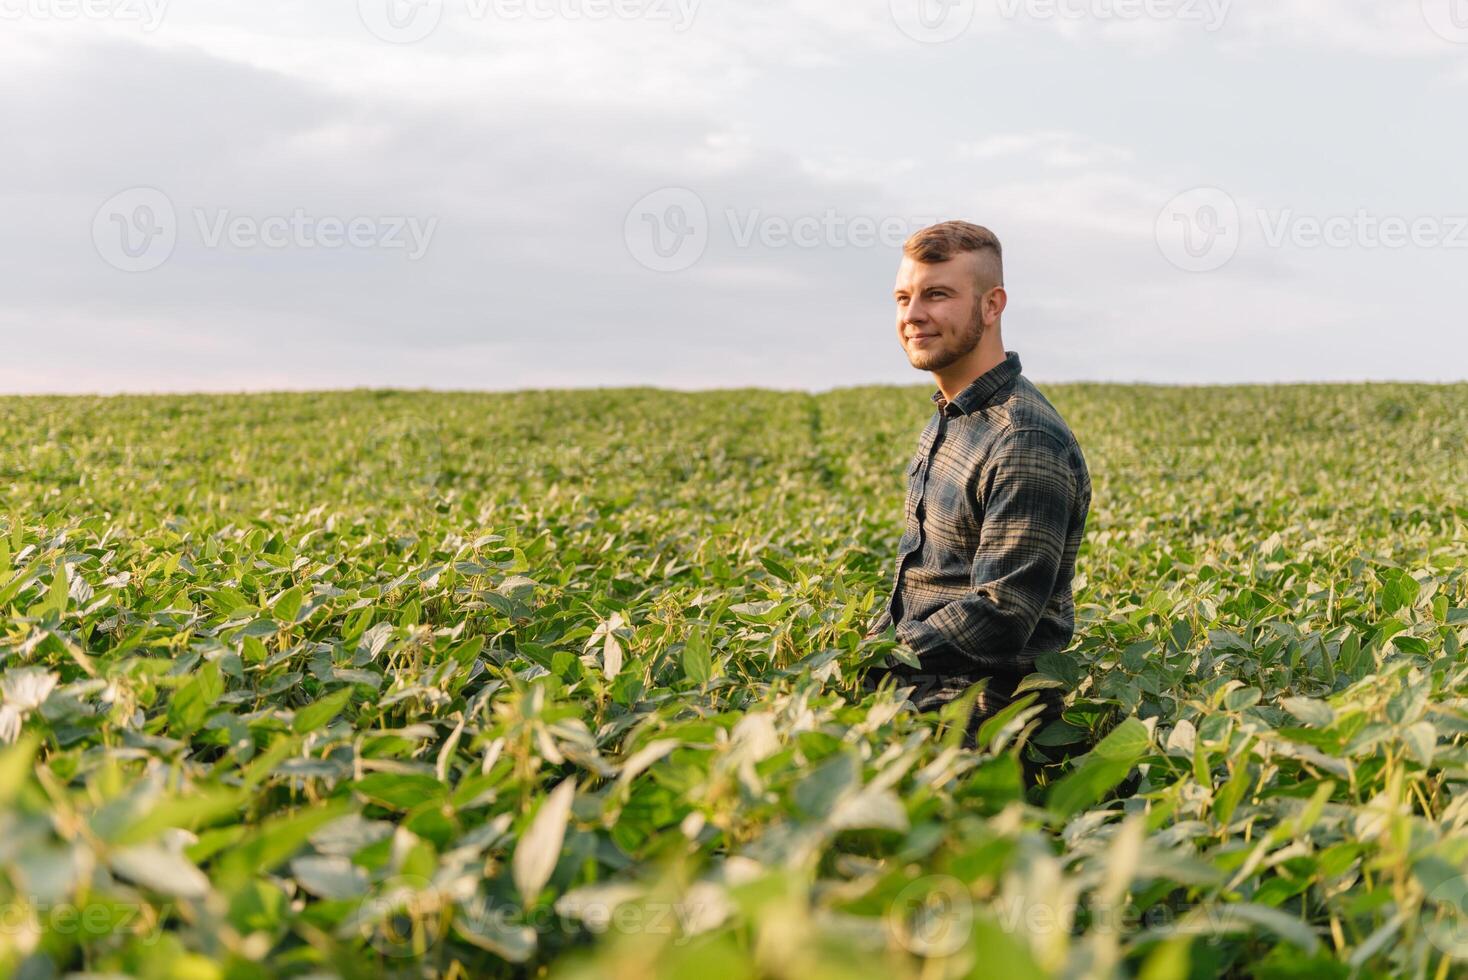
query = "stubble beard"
x=937 y=360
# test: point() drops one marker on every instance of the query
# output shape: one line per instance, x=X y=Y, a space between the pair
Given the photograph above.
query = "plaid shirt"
x=997 y=498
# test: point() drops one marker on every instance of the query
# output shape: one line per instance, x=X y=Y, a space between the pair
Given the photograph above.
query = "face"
x=939 y=313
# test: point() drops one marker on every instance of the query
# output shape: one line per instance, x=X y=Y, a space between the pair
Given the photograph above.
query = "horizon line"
x=369 y=389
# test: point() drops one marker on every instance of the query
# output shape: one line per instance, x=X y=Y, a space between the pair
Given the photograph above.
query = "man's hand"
x=1027 y=515
x=880 y=626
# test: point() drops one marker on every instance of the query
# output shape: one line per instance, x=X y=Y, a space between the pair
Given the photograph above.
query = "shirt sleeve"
x=1027 y=491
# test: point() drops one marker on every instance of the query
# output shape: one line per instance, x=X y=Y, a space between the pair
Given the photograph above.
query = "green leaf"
x=160 y=870
x=193 y=699
x=1309 y=710
x=818 y=791
x=506 y=940
x=1086 y=785
x=1228 y=797
x=186 y=812
x=274 y=840
x=1399 y=591
x=540 y=848
x=1421 y=740
x=1282 y=924
x=1003 y=952
x=329 y=876
x=16 y=762
x=59 y=594
x=319 y=713
x=869 y=809
x=1241 y=697
x=994 y=724
x=287 y=606
x=698 y=661
x=1102 y=769
x=904 y=654
x=1124 y=743
x=776 y=569
x=399 y=791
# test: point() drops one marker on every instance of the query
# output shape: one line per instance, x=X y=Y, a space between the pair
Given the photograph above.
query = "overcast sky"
x=264 y=194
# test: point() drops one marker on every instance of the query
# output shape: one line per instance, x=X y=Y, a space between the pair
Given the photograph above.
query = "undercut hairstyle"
x=941 y=242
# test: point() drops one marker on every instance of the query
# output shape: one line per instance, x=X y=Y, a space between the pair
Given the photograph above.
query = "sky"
x=224 y=195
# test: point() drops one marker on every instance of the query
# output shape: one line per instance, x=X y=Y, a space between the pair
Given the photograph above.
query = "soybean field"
x=567 y=684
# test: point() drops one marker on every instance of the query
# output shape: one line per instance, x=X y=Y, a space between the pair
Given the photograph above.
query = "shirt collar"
x=981 y=389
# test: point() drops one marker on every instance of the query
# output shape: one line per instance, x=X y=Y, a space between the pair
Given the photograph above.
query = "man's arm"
x=1031 y=490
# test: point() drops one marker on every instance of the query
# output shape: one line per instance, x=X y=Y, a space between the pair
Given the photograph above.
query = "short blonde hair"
x=941 y=242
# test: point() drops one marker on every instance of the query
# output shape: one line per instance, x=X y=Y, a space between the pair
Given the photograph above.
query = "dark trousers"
x=932 y=691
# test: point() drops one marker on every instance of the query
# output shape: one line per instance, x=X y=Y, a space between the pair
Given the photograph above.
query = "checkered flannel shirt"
x=997 y=498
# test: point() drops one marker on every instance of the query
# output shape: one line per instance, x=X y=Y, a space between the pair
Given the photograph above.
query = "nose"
x=916 y=312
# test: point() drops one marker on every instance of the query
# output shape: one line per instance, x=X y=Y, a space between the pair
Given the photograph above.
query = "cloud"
x=811 y=137
x=1059 y=150
x=1366 y=27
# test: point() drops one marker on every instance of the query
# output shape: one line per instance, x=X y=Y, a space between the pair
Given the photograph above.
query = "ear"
x=994 y=302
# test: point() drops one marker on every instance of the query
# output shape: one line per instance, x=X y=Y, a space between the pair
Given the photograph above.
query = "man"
x=997 y=494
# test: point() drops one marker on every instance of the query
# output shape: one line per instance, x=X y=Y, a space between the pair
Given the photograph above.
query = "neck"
x=957 y=376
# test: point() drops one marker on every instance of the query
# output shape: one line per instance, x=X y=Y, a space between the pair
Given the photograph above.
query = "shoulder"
x=1030 y=429
x=1026 y=416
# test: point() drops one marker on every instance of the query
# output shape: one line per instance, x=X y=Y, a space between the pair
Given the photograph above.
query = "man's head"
x=950 y=294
